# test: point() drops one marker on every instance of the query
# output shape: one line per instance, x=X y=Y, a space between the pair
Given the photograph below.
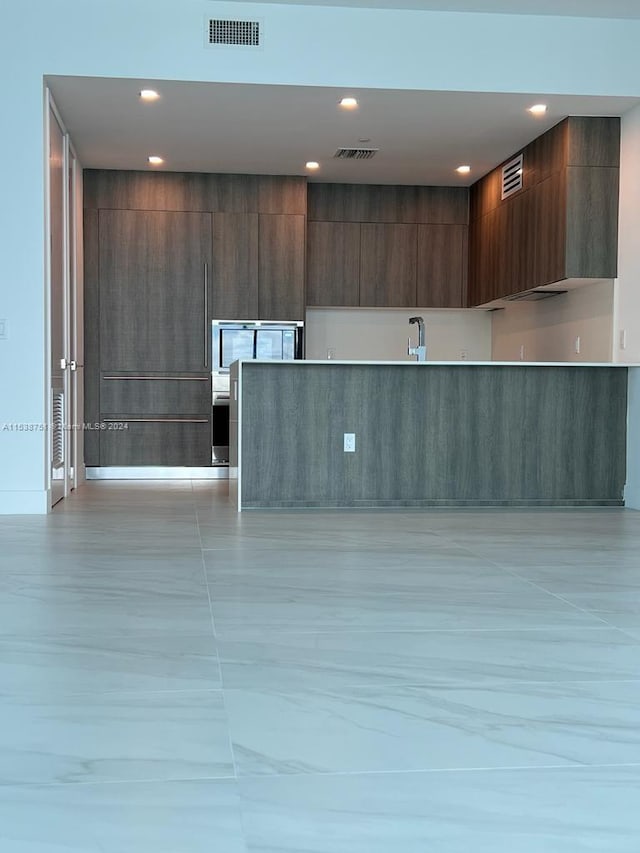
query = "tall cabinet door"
x=281 y=263
x=234 y=279
x=154 y=290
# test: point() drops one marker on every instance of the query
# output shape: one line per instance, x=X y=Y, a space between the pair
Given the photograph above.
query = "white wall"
x=548 y=329
x=378 y=334
x=324 y=46
x=627 y=311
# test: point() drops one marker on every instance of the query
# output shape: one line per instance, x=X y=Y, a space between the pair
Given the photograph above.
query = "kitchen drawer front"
x=158 y=395
x=155 y=441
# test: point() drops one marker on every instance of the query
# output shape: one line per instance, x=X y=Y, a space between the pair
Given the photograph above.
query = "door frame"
x=71 y=286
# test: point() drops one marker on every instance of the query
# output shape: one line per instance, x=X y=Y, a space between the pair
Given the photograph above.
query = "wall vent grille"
x=355 y=153
x=238 y=33
x=512 y=176
x=58 y=429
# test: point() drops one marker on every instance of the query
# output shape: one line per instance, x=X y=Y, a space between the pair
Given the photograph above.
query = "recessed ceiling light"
x=149 y=95
x=538 y=109
x=154 y=160
x=463 y=170
x=312 y=165
x=348 y=104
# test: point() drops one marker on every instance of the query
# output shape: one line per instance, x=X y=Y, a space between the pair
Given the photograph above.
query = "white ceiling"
x=256 y=129
x=571 y=8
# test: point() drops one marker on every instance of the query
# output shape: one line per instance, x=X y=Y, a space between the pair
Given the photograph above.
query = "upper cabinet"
x=387 y=246
x=562 y=224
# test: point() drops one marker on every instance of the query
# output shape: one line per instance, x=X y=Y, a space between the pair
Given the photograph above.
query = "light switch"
x=349 y=442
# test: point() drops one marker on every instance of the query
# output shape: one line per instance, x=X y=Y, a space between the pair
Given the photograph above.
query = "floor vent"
x=235 y=33
x=512 y=176
x=58 y=429
x=355 y=153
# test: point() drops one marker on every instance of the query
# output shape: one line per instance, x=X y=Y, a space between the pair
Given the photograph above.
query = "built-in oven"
x=252 y=340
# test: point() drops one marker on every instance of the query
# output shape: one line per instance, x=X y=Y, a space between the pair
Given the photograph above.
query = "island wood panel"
x=281 y=267
x=178 y=441
x=433 y=434
x=592 y=222
x=388 y=265
x=333 y=263
x=152 y=290
x=442 y=266
x=91 y=336
x=234 y=266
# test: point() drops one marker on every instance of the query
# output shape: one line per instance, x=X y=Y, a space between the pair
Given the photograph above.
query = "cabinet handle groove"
x=206 y=314
x=163 y=378
x=155 y=420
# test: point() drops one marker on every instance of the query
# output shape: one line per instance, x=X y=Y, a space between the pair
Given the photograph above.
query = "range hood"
x=536 y=294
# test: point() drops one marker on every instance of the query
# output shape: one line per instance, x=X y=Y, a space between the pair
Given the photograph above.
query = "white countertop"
x=331 y=362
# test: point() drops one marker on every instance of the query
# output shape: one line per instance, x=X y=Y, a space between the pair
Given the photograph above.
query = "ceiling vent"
x=512 y=176
x=355 y=153
x=233 y=33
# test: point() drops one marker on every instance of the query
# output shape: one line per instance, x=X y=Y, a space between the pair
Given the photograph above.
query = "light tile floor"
x=176 y=678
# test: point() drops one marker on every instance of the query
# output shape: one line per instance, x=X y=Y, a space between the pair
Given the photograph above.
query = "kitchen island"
x=429 y=434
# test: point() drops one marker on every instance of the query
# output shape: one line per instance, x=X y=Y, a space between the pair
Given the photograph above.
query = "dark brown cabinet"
x=387 y=246
x=154 y=290
x=281 y=266
x=441 y=266
x=388 y=258
x=333 y=263
x=234 y=270
x=562 y=224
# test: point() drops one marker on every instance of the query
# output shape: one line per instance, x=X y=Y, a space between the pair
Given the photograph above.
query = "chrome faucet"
x=420 y=351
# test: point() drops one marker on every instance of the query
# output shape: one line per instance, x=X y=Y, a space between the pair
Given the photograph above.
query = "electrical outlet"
x=463 y=355
x=521 y=352
x=576 y=345
x=349 y=442
x=623 y=338
x=4 y=332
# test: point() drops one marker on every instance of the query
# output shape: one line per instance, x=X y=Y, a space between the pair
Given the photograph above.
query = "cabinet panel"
x=282 y=194
x=153 y=290
x=333 y=263
x=388 y=260
x=234 y=267
x=156 y=395
x=594 y=141
x=442 y=205
x=281 y=267
x=549 y=227
x=442 y=266
x=157 y=442
x=592 y=222
x=387 y=203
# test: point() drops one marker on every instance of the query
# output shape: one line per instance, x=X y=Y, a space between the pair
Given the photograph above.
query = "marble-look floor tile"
x=108 y=737
x=569 y=810
x=419 y=728
x=48 y=666
x=239 y=613
x=294 y=557
x=158 y=817
x=332 y=660
x=57 y=604
x=186 y=561
x=584 y=578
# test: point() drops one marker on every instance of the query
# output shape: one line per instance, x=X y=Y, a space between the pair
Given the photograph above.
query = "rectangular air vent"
x=355 y=153
x=533 y=295
x=237 y=33
x=512 y=176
